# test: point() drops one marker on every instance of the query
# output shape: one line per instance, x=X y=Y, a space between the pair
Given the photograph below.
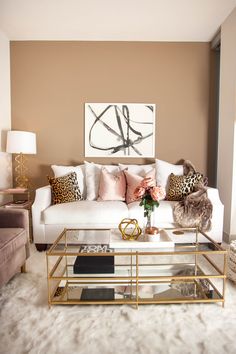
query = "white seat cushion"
x=161 y=216
x=83 y=212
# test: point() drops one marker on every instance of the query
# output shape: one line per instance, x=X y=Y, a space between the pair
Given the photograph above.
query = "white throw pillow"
x=140 y=170
x=92 y=177
x=163 y=171
x=60 y=171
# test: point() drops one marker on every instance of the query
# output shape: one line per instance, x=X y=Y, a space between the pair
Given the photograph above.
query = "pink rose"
x=147 y=182
x=157 y=193
x=139 y=192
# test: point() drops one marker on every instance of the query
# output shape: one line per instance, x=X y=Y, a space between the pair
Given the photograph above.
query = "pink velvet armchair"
x=14 y=246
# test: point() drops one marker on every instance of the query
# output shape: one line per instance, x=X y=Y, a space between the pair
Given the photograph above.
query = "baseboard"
x=232 y=237
x=228 y=238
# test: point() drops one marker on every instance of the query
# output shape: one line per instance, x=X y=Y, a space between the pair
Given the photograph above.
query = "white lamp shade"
x=21 y=142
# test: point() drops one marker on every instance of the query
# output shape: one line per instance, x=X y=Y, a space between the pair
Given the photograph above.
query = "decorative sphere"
x=129 y=229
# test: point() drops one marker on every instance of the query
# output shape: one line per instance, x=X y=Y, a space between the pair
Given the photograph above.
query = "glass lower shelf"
x=174 y=291
x=145 y=270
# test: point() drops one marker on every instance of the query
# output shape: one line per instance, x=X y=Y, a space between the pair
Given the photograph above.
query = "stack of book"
x=17 y=190
x=17 y=204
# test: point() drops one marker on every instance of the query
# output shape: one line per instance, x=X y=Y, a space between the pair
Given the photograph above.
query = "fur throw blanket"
x=195 y=210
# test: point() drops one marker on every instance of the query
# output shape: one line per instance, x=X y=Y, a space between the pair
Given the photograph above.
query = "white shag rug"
x=28 y=326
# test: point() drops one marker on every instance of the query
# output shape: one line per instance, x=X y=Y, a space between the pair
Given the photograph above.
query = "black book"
x=97 y=294
x=94 y=264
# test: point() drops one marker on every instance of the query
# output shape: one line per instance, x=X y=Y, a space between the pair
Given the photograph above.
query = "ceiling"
x=115 y=20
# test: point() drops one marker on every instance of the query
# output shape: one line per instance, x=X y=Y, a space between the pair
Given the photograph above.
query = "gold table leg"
x=23 y=268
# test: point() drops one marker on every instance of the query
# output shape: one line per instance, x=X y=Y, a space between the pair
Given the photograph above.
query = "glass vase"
x=148 y=222
x=151 y=231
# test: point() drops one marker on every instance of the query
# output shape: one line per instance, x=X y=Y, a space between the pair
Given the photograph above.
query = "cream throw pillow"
x=163 y=171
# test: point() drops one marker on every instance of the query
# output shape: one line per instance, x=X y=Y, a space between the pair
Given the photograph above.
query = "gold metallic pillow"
x=181 y=186
x=65 y=189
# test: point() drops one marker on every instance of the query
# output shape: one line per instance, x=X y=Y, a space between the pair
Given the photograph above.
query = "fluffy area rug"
x=27 y=325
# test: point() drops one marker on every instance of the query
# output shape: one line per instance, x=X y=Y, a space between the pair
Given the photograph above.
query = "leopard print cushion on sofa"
x=181 y=186
x=65 y=189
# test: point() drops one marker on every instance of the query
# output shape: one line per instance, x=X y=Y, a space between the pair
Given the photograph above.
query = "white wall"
x=5 y=114
x=226 y=174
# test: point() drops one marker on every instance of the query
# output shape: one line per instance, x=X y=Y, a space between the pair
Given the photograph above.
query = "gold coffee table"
x=87 y=266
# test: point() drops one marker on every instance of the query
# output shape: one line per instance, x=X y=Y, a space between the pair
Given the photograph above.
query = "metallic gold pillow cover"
x=181 y=186
x=65 y=189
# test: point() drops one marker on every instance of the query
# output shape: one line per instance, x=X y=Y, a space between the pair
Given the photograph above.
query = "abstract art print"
x=120 y=130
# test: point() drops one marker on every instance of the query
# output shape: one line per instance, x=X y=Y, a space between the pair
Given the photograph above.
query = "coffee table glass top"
x=72 y=241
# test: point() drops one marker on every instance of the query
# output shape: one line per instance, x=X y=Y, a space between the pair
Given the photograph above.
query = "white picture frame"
x=120 y=130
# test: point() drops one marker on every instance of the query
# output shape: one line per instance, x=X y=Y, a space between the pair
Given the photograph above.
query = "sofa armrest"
x=216 y=233
x=213 y=195
x=41 y=202
x=14 y=218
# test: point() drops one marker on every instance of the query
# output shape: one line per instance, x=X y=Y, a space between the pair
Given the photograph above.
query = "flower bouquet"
x=150 y=195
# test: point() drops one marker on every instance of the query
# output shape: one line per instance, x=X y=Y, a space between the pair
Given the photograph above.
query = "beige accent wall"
x=5 y=116
x=51 y=82
x=226 y=174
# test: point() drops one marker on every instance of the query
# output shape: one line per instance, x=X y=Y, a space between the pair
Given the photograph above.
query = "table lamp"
x=21 y=143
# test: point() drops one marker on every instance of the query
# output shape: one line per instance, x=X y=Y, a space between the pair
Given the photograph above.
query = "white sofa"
x=49 y=220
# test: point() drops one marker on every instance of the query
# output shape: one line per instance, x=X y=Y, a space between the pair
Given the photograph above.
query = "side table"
x=20 y=204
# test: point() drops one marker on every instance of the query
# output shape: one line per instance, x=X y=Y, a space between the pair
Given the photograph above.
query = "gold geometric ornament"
x=129 y=229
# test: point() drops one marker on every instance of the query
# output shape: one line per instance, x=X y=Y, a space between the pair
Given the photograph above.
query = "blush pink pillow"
x=112 y=185
x=133 y=182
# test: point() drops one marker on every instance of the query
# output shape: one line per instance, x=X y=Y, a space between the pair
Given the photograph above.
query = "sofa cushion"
x=60 y=171
x=92 y=176
x=133 y=181
x=11 y=239
x=163 y=171
x=90 y=212
x=112 y=185
x=140 y=170
x=181 y=186
x=161 y=215
x=65 y=189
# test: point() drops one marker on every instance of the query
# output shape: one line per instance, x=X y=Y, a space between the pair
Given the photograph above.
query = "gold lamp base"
x=22 y=181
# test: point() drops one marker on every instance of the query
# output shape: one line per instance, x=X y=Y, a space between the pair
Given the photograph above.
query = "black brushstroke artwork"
x=126 y=126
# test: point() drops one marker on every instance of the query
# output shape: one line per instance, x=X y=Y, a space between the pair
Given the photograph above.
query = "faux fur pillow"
x=181 y=186
x=65 y=189
x=195 y=210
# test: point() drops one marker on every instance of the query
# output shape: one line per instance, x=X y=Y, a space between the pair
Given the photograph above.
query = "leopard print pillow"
x=181 y=186
x=65 y=189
